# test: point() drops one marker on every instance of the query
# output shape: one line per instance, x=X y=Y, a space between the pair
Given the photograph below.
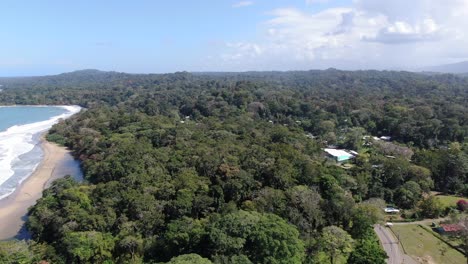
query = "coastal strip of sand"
x=13 y=208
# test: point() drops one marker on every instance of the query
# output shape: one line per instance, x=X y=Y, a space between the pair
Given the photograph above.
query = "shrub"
x=462 y=205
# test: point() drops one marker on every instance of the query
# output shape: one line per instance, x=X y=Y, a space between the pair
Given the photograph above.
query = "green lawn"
x=449 y=201
x=421 y=244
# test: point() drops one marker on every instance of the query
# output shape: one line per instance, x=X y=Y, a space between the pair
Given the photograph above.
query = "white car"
x=391 y=210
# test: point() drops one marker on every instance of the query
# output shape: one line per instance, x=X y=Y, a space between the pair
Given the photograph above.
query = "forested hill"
x=72 y=79
x=229 y=167
x=460 y=68
x=426 y=110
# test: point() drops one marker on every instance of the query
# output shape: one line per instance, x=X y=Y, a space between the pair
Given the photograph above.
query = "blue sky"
x=49 y=37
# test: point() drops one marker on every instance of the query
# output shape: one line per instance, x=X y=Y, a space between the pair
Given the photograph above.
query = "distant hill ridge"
x=92 y=78
x=75 y=78
x=456 y=68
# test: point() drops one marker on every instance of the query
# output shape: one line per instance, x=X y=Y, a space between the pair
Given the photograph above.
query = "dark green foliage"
x=189 y=259
x=449 y=167
x=363 y=217
x=88 y=247
x=335 y=242
x=27 y=252
x=431 y=207
x=184 y=235
x=15 y=252
x=59 y=139
x=368 y=251
x=229 y=166
x=408 y=195
x=263 y=238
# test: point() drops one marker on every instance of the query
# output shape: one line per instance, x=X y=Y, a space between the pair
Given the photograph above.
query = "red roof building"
x=451 y=228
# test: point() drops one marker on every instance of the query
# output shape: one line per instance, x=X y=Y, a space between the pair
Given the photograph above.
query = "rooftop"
x=339 y=154
x=451 y=227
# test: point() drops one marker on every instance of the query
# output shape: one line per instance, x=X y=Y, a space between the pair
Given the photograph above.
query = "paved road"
x=392 y=247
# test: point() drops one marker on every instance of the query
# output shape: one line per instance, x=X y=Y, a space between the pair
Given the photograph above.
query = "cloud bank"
x=378 y=34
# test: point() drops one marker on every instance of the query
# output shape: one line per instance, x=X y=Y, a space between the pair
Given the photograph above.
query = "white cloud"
x=366 y=34
x=346 y=24
x=242 y=4
x=300 y=34
x=403 y=32
x=244 y=51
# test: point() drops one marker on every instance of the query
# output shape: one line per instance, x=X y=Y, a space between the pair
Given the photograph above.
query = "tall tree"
x=368 y=251
x=335 y=242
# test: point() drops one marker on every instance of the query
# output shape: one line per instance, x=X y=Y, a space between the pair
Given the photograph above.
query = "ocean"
x=20 y=130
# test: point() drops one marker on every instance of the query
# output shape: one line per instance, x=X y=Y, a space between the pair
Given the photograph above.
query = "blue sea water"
x=20 y=115
x=20 y=130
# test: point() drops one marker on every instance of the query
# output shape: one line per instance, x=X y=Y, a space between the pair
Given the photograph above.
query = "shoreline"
x=14 y=207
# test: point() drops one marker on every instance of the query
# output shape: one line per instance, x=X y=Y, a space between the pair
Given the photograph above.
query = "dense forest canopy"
x=229 y=167
x=413 y=108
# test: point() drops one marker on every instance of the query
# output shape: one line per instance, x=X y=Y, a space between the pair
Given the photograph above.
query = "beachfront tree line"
x=228 y=168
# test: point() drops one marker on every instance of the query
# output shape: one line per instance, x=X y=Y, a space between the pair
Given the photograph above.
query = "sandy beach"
x=14 y=207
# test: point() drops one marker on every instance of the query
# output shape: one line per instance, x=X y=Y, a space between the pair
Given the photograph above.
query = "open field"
x=448 y=200
x=452 y=240
x=426 y=248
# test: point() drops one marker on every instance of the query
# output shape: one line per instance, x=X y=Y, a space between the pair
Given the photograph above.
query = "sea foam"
x=16 y=143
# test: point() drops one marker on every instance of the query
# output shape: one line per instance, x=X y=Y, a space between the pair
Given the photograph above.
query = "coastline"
x=14 y=208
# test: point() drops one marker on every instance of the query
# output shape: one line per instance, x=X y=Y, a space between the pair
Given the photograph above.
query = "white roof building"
x=339 y=154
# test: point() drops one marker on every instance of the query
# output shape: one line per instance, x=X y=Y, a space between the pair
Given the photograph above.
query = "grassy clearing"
x=422 y=245
x=449 y=201
x=454 y=241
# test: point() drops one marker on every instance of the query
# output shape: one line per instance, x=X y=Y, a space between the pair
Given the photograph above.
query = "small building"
x=450 y=229
x=339 y=155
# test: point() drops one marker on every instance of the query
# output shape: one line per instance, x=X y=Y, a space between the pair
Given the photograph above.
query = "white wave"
x=18 y=140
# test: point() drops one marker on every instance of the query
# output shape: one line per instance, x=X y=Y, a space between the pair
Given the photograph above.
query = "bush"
x=431 y=207
x=56 y=138
x=462 y=205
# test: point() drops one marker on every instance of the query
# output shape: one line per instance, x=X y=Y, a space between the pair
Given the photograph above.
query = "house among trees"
x=340 y=155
